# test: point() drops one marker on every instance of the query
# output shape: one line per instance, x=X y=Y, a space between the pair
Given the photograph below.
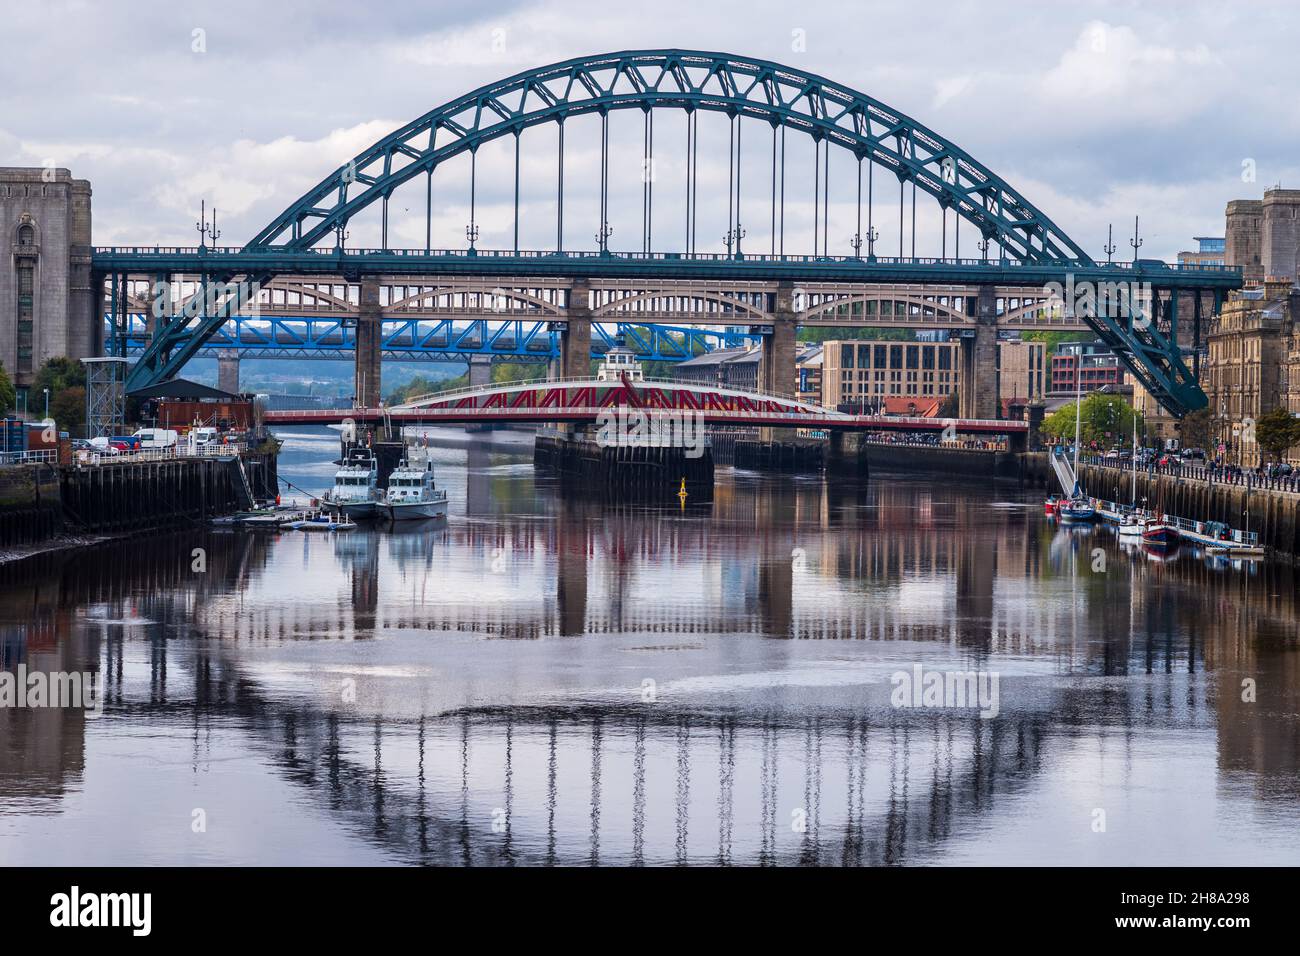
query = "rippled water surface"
x=543 y=678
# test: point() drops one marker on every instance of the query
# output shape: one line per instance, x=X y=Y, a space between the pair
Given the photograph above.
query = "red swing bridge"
x=586 y=400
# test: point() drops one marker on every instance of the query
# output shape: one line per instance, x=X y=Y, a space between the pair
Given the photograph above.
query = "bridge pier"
x=575 y=338
x=479 y=374
x=228 y=371
x=778 y=370
x=979 y=394
x=846 y=453
x=368 y=354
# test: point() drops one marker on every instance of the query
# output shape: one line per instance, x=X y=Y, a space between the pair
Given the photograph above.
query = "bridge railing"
x=581 y=380
x=1145 y=265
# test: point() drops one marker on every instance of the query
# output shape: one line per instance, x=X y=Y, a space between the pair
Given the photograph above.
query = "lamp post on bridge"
x=204 y=230
x=340 y=236
x=1109 y=247
x=471 y=233
x=602 y=237
x=733 y=237
x=1135 y=242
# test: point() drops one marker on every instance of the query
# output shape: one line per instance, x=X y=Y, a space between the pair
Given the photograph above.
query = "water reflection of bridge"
x=590 y=781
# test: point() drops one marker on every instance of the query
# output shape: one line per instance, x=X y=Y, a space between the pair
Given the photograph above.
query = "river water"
x=544 y=678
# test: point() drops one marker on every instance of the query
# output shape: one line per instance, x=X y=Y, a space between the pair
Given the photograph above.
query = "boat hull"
x=414 y=510
x=1077 y=513
x=1161 y=537
x=358 y=510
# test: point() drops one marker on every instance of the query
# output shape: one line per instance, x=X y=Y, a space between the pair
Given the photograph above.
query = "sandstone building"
x=47 y=306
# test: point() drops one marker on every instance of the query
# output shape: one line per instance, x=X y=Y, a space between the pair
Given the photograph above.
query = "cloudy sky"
x=1094 y=111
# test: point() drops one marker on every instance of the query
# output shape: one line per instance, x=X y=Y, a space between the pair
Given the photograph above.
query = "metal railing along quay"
x=1250 y=479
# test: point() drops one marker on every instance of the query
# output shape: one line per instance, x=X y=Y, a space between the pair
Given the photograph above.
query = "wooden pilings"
x=38 y=502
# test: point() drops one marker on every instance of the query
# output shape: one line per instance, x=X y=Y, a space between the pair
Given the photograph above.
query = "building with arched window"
x=46 y=306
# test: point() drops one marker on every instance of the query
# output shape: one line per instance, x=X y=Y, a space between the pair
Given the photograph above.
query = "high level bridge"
x=1012 y=252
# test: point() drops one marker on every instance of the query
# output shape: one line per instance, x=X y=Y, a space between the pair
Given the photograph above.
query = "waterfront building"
x=729 y=368
x=1086 y=366
x=1210 y=251
x=866 y=372
x=47 y=308
x=1247 y=371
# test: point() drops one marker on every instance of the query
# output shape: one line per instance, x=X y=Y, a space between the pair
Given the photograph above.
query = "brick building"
x=1085 y=366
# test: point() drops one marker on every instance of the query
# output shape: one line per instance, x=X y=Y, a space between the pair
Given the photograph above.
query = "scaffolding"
x=105 y=396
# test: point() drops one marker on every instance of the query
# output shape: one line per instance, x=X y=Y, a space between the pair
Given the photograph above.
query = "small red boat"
x=1051 y=505
x=1158 y=534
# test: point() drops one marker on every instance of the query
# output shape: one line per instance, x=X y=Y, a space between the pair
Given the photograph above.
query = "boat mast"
x=1135 y=458
x=1078 y=415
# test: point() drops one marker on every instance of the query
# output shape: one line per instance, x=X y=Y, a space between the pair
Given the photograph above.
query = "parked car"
x=156 y=437
x=204 y=435
x=103 y=446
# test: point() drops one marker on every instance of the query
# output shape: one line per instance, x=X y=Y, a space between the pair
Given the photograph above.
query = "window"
x=26 y=236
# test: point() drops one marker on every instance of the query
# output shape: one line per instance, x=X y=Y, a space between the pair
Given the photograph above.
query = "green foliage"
x=503 y=373
x=829 y=334
x=58 y=374
x=1102 y=413
x=1194 y=429
x=8 y=396
x=1052 y=339
x=950 y=407
x=1276 y=431
x=68 y=407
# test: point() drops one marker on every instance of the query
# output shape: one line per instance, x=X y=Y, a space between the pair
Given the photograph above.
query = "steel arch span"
x=687 y=80
x=1030 y=249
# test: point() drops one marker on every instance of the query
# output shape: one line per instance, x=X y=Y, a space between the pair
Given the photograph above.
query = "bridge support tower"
x=846 y=453
x=368 y=353
x=777 y=370
x=479 y=373
x=575 y=336
x=979 y=395
x=228 y=371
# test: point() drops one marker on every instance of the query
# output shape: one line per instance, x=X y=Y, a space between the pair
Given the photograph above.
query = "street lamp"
x=47 y=403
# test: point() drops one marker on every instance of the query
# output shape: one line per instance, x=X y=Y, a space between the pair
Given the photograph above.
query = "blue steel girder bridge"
x=461 y=319
x=1010 y=244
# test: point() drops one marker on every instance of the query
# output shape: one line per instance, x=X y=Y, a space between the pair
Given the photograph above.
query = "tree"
x=57 y=374
x=1194 y=429
x=1105 y=419
x=68 y=407
x=1276 y=431
x=8 y=397
x=950 y=407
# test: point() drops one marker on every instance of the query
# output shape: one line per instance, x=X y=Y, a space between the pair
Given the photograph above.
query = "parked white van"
x=156 y=437
x=204 y=435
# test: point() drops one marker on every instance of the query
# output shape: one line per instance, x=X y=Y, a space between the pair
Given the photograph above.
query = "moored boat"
x=1077 y=508
x=1158 y=533
x=1131 y=526
x=413 y=494
x=356 y=485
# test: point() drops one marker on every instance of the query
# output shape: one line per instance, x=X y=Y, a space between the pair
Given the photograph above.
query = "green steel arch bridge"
x=991 y=236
